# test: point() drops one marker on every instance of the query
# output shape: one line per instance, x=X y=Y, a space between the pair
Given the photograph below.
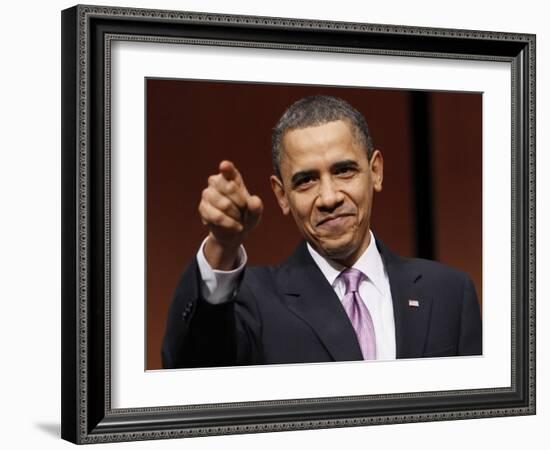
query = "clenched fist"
x=230 y=213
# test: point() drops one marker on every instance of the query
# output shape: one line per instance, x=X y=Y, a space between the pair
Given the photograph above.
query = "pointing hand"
x=229 y=212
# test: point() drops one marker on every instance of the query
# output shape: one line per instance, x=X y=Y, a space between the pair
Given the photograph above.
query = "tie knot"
x=352 y=277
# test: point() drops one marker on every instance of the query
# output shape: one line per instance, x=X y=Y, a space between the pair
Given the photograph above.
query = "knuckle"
x=224 y=204
x=216 y=215
x=202 y=207
x=231 y=188
x=219 y=219
x=241 y=202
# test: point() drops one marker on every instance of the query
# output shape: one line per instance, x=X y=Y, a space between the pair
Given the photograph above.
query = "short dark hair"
x=318 y=110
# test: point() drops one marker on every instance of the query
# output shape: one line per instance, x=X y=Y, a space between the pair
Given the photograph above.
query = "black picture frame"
x=87 y=415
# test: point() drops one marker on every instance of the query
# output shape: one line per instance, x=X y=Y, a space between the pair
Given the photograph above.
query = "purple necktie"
x=358 y=312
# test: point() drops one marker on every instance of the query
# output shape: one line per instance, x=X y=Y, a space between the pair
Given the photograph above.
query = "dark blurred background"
x=430 y=206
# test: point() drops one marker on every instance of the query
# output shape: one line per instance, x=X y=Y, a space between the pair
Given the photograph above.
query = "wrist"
x=221 y=255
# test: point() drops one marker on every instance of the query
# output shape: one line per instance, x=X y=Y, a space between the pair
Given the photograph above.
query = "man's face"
x=327 y=185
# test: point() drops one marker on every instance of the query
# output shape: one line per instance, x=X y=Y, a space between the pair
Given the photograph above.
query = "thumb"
x=255 y=207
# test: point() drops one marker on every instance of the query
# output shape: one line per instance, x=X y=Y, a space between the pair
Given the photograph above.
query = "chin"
x=340 y=253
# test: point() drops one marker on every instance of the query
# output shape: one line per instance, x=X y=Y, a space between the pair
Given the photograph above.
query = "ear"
x=377 y=170
x=280 y=194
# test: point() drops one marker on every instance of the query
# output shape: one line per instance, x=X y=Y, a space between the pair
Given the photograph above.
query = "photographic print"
x=430 y=207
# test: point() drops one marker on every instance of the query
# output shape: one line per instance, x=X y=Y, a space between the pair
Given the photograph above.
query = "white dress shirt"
x=218 y=285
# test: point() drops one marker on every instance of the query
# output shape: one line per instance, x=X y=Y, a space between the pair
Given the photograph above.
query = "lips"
x=334 y=220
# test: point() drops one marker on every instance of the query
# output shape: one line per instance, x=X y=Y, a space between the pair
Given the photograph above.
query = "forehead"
x=320 y=144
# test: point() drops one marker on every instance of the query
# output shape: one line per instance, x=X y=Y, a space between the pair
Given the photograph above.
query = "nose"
x=329 y=197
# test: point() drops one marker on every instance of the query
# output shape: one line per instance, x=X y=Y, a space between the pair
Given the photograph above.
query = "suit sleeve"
x=201 y=334
x=470 y=340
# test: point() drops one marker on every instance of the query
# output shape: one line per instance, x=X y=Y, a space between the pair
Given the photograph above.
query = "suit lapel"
x=308 y=295
x=411 y=306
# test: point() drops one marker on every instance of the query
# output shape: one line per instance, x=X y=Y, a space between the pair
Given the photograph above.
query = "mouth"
x=334 y=220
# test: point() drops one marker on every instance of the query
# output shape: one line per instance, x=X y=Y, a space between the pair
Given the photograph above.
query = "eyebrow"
x=345 y=164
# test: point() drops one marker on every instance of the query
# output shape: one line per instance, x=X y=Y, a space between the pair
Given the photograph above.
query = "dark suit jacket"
x=291 y=314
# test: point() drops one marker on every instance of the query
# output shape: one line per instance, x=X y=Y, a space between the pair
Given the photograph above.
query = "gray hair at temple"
x=318 y=110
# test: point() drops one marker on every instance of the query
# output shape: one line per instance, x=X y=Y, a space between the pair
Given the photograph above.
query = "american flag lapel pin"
x=414 y=303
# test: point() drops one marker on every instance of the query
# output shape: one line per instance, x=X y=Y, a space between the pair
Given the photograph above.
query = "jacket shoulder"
x=433 y=276
x=435 y=267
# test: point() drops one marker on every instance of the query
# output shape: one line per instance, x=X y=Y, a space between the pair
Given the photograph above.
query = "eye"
x=304 y=183
x=345 y=172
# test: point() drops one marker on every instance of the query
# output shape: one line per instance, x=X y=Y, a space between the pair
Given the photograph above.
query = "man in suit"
x=342 y=295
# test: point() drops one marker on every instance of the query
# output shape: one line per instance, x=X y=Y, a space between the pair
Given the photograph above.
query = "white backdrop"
x=30 y=223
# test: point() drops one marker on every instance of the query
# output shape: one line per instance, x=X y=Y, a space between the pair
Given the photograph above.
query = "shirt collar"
x=370 y=263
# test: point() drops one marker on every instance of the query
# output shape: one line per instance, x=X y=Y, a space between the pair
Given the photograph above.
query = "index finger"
x=229 y=171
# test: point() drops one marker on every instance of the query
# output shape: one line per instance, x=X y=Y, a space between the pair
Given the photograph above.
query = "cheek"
x=363 y=204
x=301 y=210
